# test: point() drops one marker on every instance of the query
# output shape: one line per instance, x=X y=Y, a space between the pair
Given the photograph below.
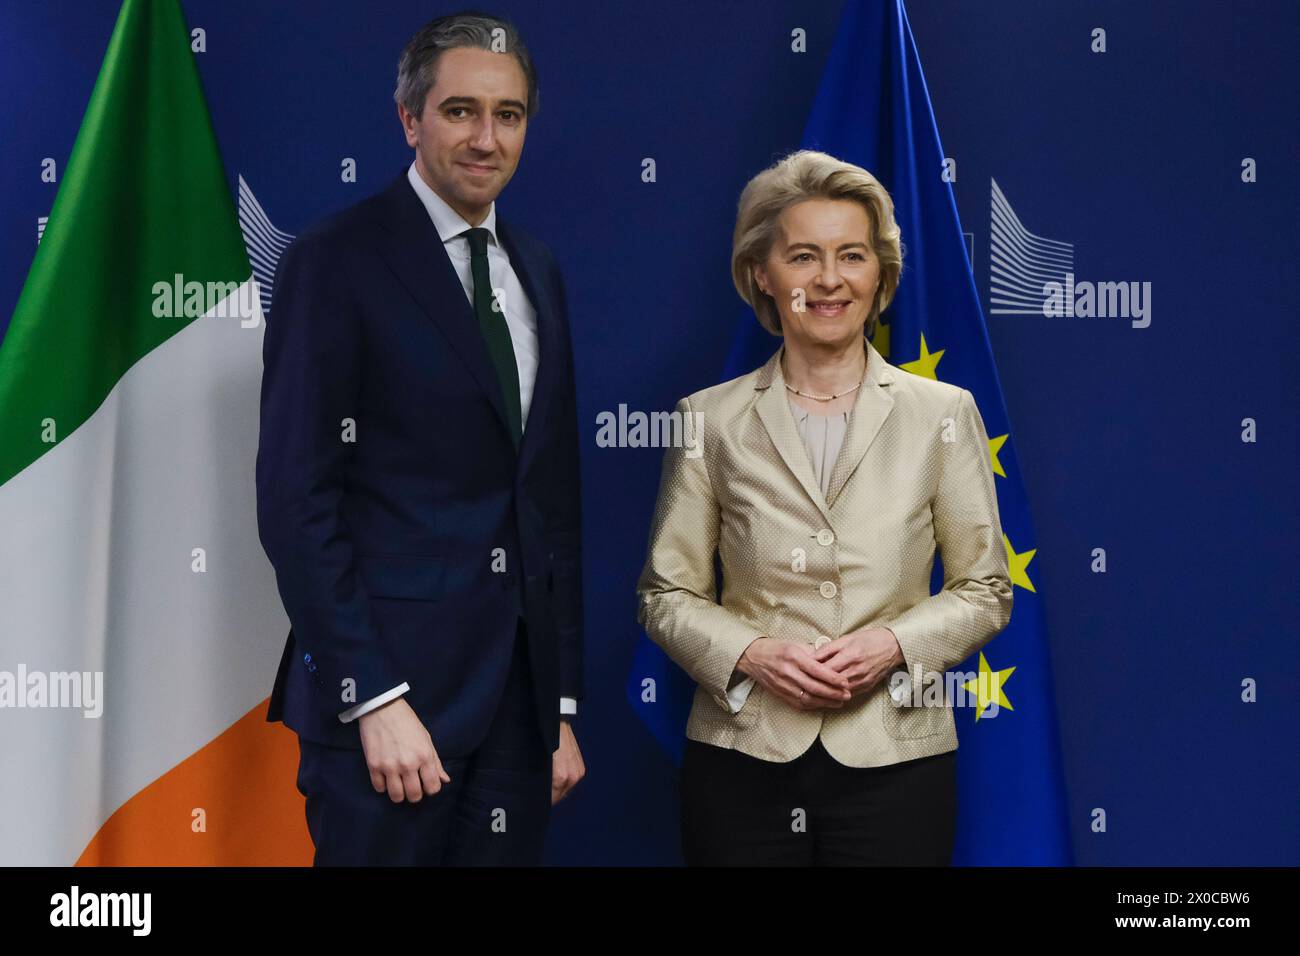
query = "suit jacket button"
x=822 y=641
x=825 y=536
x=828 y=589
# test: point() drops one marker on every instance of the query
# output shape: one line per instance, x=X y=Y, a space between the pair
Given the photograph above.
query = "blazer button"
x=825 y=536
x=822 y=641
x=828 y=589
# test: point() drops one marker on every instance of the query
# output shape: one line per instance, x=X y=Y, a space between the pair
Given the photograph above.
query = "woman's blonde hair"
x=808 y=174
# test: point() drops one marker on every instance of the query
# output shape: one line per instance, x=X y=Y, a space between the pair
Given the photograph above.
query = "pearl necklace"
x=823 y=398
x=827 y=398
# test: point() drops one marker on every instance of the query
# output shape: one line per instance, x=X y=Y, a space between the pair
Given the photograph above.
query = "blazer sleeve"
x=312 y=354
x=975 y=602
x=677 y=590
x=566 y=519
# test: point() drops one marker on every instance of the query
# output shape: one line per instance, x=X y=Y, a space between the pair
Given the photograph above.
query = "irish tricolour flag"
x=139 y=623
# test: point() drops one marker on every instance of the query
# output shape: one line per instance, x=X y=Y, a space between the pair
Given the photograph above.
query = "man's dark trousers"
x=494 y=812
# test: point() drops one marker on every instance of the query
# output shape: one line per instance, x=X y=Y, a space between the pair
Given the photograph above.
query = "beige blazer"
x=914 y=473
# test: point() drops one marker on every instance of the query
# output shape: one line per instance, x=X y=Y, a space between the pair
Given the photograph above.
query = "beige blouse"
x=822 y=436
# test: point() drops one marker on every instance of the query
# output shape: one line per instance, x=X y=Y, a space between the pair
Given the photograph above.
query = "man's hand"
x=400 y=754
x=791 y=672
x=863 y=657
x=567 y=767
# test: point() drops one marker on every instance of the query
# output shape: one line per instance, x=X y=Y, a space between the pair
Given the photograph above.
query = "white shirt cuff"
x=568 y=705
x=352 y=713
x=736 y=695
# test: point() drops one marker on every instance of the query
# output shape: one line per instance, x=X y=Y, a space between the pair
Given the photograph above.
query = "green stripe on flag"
x=144 y=197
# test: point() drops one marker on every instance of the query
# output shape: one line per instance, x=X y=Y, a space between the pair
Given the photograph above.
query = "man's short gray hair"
x=416 y=70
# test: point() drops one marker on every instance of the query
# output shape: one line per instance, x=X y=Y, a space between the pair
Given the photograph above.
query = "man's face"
x=469 y=136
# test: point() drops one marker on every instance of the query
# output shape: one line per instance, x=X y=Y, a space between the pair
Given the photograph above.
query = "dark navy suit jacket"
x=383 y=545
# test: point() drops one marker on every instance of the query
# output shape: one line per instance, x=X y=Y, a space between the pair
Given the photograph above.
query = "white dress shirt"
x=521 y=320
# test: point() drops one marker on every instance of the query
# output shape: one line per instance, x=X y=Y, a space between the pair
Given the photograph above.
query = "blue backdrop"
x=1128 y=439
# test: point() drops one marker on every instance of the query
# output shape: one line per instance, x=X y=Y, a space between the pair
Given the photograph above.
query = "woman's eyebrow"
x=812 y=245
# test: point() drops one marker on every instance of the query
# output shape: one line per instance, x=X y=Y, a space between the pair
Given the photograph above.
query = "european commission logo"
x=263 y=242
x=1033 y=275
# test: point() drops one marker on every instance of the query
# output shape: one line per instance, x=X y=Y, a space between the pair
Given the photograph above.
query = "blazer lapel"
x=529 y=271
x=415 y=254
x=873 y=406
x=774 y=410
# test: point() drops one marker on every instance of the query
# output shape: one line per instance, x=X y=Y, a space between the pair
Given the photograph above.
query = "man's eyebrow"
x=811 y=245
x=474 y=101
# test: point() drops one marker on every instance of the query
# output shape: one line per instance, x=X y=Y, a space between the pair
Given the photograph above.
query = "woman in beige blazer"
x=823 y=481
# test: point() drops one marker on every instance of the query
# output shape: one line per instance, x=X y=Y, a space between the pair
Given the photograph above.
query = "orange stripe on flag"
x=232 y=803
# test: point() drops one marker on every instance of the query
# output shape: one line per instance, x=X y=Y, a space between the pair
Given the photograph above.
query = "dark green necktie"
x=496 y=335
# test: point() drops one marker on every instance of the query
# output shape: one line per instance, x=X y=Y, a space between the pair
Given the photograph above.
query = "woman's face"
x=821 y=272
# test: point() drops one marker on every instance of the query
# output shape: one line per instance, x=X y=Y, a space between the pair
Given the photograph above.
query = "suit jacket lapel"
x=415 y=253
x=531 y=277
x=774 y=411
x=872 y=407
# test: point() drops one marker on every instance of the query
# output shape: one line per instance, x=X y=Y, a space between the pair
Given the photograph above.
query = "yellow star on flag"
x=1016 y=564
x=995 y=445
x=924 y=366
x=987 y=688
x=880 y=339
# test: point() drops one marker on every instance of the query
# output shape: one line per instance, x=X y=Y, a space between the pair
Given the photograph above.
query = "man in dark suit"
x=418 y=488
